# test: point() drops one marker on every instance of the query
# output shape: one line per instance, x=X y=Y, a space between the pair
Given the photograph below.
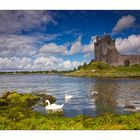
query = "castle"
x=105 y=51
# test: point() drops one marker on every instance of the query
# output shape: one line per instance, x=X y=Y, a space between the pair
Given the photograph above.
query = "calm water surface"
x=112 y=96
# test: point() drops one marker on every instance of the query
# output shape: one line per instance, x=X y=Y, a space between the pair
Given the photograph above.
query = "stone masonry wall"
x=133 y=59
x=105 y=51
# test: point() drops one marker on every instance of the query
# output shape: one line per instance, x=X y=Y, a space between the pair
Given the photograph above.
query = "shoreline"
x=102 y=75
x=100 y=69
x=81 y=74
x=16 y=113
x=92 y=69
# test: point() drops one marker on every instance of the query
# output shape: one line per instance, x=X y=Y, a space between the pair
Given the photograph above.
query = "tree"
x=79 y=67
x=84 y=65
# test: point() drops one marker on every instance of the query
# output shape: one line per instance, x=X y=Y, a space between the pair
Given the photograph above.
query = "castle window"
x=108 y=42
x=97 y=44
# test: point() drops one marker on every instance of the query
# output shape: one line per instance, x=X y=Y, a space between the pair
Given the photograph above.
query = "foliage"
x=36 y=72
x=15 y=99
x=18 y=116
x=100 y=69
x=79 y=67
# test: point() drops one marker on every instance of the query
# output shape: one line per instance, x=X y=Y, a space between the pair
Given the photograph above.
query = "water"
x=113 y=94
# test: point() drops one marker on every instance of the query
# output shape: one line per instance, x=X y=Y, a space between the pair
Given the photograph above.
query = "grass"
x=18 y=114
x=36 y=121
x=99 y=69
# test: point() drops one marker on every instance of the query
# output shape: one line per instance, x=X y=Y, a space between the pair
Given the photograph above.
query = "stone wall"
x=131 y=59
x=105 y=51
x=101 y=47
x=112 y=56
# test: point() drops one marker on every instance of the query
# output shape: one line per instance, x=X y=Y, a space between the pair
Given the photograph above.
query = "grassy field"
x=99 y=69
x=16 y=113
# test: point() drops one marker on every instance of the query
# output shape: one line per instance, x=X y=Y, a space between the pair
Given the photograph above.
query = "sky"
x=62 y=40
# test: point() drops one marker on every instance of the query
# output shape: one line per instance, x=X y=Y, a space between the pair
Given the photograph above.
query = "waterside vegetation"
x=36 y=72
x=100 y=69
x=16 y=113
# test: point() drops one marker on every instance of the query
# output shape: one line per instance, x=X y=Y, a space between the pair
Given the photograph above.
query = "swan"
x=94 y=92
x=68 y=97
x=53 y=106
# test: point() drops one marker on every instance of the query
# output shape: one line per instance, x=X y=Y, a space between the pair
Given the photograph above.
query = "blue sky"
x=62 y=40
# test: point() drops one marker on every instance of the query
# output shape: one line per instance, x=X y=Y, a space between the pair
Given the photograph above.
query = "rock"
x=45 y=97
x=16 y=99
x=130 y=107
x=3 y=102
x=32 y=101
x=7 y=94
x=93 y=70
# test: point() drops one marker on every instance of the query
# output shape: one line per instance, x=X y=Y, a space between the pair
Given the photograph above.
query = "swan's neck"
x=47 y=101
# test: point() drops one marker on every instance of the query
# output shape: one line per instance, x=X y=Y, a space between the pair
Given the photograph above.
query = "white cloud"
x=53 y=48
x=19 y=52
x=21 y=45
x=87 y=49
x=16 y=45
x=130 y=45
x=54 y=63
x=47 y=61
x=40 y=63
x=16 y=21
x=76 y=47
x=124 y=23
x=68 y=65
x=15 y=63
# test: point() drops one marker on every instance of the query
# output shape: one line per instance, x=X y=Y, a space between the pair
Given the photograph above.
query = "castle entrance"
x=126 y=63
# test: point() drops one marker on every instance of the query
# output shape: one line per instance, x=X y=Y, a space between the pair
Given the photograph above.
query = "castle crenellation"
x=105 y=51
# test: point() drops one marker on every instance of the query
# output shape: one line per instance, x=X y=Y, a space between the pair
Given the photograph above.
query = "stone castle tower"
x=105 y=51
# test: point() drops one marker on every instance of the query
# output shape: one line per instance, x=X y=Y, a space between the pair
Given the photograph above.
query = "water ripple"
x=113 y=94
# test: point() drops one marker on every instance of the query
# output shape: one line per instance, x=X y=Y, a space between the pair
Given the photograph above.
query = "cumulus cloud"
x=16 y=21
x=53 y=48
x=130 y=45
x=16 y=45
x=15 y=63
x=55 y=63
x=40 y=63
x=21 y=38
x=124 y=23
x=68 y=65
x=89 y=48
x=76 y=46
x=21 y=45
x=86 y=49
x=19 y=52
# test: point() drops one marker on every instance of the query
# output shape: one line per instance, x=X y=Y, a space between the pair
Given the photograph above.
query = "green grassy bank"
x=16 y=113
x=99 y=69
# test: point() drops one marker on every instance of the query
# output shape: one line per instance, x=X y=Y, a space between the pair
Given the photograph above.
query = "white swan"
x=53 y=106
x=68 y=97
x=94 y=92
